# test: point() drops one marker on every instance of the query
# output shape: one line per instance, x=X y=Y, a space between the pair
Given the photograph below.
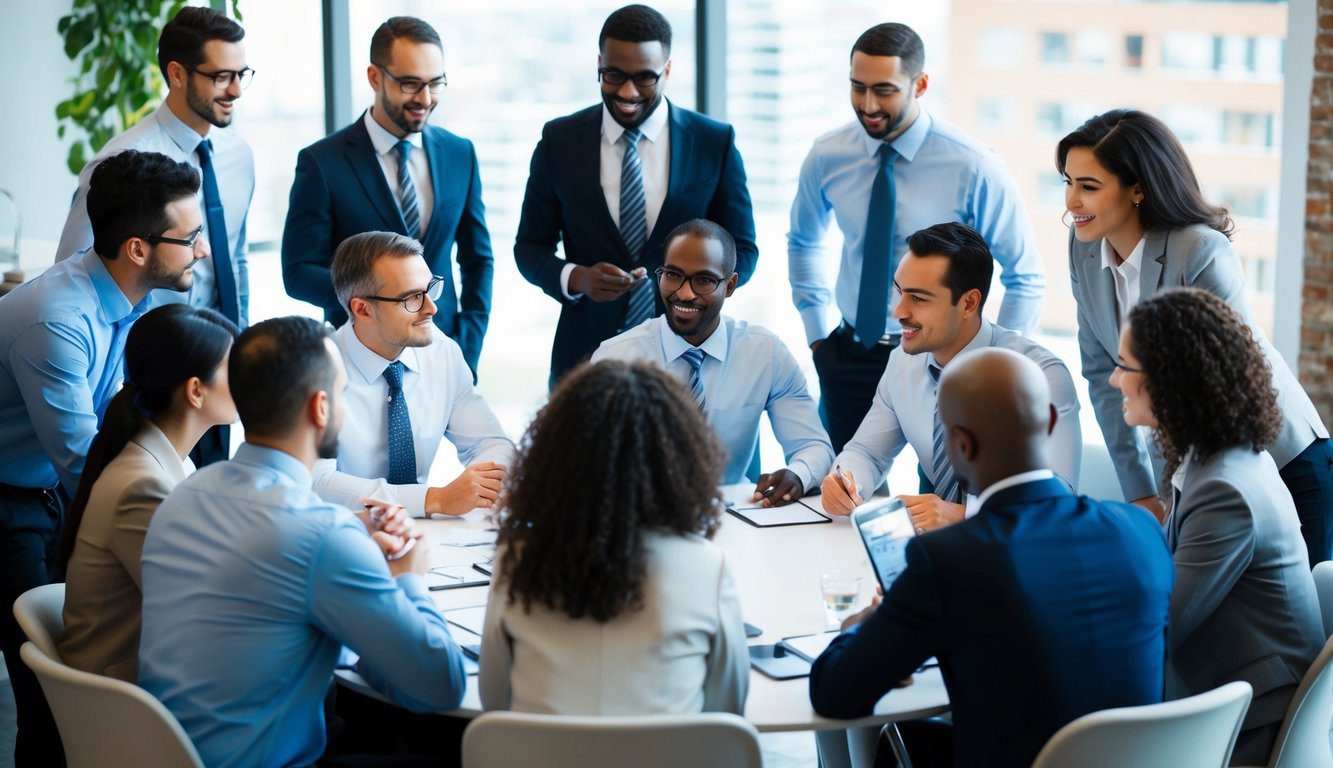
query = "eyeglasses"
x=411 y=85
x=187 y=242
x=614 y=76
x=223 y=78
x=1126 y=368
x=701 y=283
x=413 y=302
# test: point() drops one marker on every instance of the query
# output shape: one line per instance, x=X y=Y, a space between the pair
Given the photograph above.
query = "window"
x=1000 y=48
x=997 y=115
x=1188 y=51
x=1249 y=129
x=1055 y=48
x=1250 y=202
x=1134 y=51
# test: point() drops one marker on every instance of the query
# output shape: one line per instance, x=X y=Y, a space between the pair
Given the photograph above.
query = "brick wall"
x=1316 y=362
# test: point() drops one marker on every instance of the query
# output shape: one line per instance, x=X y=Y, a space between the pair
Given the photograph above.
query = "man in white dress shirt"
x=735 y=370
x=407 y=387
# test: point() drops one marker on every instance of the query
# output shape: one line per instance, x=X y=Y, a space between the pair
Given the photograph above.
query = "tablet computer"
x=885 y=528
x=795 y=513
x=777 y=662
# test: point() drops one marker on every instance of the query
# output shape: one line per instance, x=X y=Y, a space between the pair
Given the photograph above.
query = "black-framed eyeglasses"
x=413 y=302
x=645 y=79
x=223 y=78
x=411 y=85
x=700 y=282
x=187 y=242
x=1126 y=368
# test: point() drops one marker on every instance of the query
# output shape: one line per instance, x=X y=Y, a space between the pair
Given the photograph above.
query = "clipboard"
x=796 y=513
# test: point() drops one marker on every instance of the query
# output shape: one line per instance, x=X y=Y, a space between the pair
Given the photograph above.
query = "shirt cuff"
x=411 y=496
x=565 y=272
x=802 y=472
x=819 y=323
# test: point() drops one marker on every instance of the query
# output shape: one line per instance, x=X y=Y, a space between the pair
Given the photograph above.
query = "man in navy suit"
x=612 y=180
x=390 y=171
x=1041 y=608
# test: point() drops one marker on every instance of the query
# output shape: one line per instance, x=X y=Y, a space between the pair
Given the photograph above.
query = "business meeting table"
x=777 y=572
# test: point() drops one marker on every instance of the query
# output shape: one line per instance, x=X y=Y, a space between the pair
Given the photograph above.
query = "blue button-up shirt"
x=941 y=174
x=746 y=371
x=251 y=585
x=62 y=356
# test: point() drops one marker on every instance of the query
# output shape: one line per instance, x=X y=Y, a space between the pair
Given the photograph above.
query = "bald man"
x=1056 y=603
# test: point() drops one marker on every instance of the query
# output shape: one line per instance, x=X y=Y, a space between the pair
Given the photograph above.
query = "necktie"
x=946 y=485
x=695 y=357
x=402 y=448
x=407 y=193
x=872 y=305
x=228 y=298
x=634 y=229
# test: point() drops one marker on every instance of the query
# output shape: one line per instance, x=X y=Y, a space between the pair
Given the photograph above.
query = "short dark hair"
x=405 y=27
x=893 y=39
x=275 y=367
x=183 y=38
x=970 y=262
x=708 y=230
x=636 y=24
x=128 y=195
x=353 y=266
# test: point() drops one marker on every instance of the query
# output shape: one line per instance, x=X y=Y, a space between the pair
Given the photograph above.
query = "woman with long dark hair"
x=1140 y=224
x=1244 y=605
x=609 y=597
x=175 y=389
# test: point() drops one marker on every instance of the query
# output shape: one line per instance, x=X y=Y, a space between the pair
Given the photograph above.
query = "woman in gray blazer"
x=175 y=389
x=1140 y=225
x=609 y=597
x=1244 y=605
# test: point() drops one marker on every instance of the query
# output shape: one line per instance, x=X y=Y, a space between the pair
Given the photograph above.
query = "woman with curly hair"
x=609 y=597
x=1244 y=605
x=1140 y=224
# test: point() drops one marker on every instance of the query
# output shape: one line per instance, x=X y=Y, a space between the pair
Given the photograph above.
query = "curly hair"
x=1211 y=386
x=618 y=450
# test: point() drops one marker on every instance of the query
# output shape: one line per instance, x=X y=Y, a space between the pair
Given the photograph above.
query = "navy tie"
x=946 y=483
x=634 y=229
x=407 y=193
x=872 y=305
x=695 y=357
x=228 y=298
x=402 y=448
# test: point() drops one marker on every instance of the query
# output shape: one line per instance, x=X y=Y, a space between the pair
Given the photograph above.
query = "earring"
x=1136 y=203
x=1067 y=218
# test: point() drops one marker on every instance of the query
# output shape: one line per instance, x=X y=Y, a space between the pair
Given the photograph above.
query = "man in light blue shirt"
x=252 y=584
x=893 y=171
x=735 y=370
x=62 y=342
x=942 y=281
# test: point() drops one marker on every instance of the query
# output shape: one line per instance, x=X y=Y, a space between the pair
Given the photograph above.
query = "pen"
x=846 y=484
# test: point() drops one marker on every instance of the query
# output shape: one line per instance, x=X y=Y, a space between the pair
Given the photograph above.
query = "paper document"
x=468 y=618
x=796 y=513
x=468 y=537
x=809 y=647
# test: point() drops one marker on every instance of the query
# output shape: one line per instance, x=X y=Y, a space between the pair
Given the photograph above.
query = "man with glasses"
x=407 y=387
x=735 y=370
x=654 y=164
x=390 y=171
x=202 y=59
x=62 y=344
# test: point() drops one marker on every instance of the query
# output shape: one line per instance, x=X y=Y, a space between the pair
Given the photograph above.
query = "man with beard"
x=203 y=60
x=62 y=343
x=612 y=180
x=390 y=171
x=252 y=585
x=735 y=370
x=894 y=170
x=407 y=386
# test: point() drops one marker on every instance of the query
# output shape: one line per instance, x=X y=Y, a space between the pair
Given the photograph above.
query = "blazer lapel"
x=444 y=188
x=368 y=172
x=1154 y=258
x=589 y=181
x=1101 y=287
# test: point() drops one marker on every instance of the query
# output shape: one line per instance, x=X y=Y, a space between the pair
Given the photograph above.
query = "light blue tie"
x=407 y=193
x=634 y=229
x=872 y=304
x=402 y=448
x=946 y=484
x=695 y=357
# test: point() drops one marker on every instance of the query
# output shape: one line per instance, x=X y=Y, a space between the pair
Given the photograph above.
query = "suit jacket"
x=103 y=593
x=1245 y=606
x=340 y=191
x=565 y=202
x=1043 y=607
x=1196 y=256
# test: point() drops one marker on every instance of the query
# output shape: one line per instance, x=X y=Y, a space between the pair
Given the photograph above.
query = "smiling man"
x=892 y=171
x=610 y=181
x=735 y=370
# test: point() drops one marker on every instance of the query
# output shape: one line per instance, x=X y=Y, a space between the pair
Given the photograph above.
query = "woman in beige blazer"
x=175 y=389
x=609 y=597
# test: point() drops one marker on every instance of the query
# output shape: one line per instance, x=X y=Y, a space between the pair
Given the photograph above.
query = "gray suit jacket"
x=1195 y=256
x=1244 y=605
x=103 y=596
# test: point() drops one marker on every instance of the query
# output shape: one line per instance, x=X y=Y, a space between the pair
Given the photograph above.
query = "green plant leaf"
x=76 y=159
x=78 y=36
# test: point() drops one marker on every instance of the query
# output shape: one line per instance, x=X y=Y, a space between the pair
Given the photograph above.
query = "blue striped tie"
x=402 y=448
x=407 y=193
x=872 y=304
x=946 y=484
x=223 y=272
x=634 y=229
x=695 y=357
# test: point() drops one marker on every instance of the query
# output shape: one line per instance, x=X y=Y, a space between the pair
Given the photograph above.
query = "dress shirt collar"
x=1178 y=479
x=271 y=458
x=650 y=128
x=369 y=365
x=985 y=337
x=151 y=439
x=175 y=128
x=112 y=303
x=907 y=144
x=673 y=346
x=1010 y=482
x=383 y=141
x=1134 y=261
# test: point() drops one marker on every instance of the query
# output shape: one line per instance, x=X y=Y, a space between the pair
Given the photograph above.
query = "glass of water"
x=840 y=593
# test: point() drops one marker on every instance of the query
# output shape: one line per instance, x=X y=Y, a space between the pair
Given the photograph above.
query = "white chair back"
x=1323 y=585
x=507 y=739
x=1303 y=741
x=40 y=613
x=1199 y=732
x=1096 y=473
